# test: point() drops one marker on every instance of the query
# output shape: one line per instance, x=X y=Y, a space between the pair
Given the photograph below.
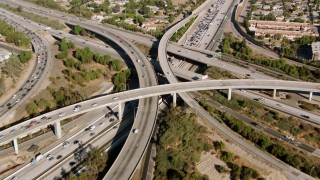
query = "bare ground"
x=208 y=160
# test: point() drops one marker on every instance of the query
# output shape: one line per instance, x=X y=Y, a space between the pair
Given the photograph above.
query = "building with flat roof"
x=315 y=51
x=4 y=54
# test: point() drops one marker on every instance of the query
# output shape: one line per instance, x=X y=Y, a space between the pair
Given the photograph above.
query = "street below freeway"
x=257 y=125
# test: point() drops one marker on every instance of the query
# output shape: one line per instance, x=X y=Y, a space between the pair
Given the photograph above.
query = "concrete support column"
x=57 y=129
x=120 y=111
x=15 y=146
x=174 y=95
x=310 y=96
x=229 y=94
x=274 y=94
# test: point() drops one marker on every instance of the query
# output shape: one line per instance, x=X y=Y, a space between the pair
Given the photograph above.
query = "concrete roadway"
x=31 y=171
x=289 y=171
x=243 y=72
x=149 y=77
x=43 y=65
x=257 y=125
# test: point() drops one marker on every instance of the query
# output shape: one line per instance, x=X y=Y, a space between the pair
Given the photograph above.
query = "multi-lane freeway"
x=43 y=62
x=117 y=171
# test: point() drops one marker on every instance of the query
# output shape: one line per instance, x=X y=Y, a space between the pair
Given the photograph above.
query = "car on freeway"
x=138 y=60
x=66 y=144
x=92 y=134
x=61 y=114
x=114 y=98
x=49 y=157
x=12 y=131
x=92 y=127
x=94 y=104
x=14 y=96
x=135 y=131
x=102 y=124
x=1 y=136
x=279 y=105
x=44 y=118
x=305 y=116
x=59 y=157
x=76 y=108
x=18 y=100
x=111 y=120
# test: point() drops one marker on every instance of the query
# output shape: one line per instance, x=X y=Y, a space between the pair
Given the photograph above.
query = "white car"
x=102 y=124
x=18 y=100
x=135 y=131
x=14 y=96
x=66 y=144
x=61 y=114
x=92 y=127
x=94 y=104
x=114 y=98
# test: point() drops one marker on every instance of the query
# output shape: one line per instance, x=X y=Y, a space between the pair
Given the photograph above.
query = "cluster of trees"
x=66 y=96
x=274 y=148
x=12 y=36
x=289 y=48
x=217 y=73
x=64 y=46
x=264 y=142
x=239 y=49
x=268 y=17
x=77 y=29
x=25 y=56
x=120 y=80
x=95 y=162
x=180 y=143
x=48 y=4
x=254 y=110
x=102 y=59
x=37 y=106
x=70 y=62
x=236 y=171
x=81 y=11
x=176 y=36
x=83 y=76
x=2 y=86
x=124 y=25
x=12 y=66
x=84 y=55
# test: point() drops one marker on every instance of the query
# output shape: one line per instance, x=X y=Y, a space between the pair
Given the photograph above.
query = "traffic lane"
x=200 y=57
x=282 y=107
x=84 y=136
x=106 y=136
x=258 y=125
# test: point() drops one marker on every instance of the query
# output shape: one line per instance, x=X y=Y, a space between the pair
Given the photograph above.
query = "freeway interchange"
x=148 y=93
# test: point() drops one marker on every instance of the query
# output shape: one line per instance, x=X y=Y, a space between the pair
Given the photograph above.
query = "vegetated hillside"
x=179 y=145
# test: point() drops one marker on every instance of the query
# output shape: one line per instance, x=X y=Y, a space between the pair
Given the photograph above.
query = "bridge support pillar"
x=310 y=96
x=120 y=112
x=274 y=94
x=229 y=94
x=57 y=129
x=174 y=95
x=15 y=146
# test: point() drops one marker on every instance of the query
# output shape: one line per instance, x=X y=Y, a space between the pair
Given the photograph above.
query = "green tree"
x=96 y=161
x=25 y=56
x=116 y=8
x=77 y=29
x=32 y=108
x=116 y=65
